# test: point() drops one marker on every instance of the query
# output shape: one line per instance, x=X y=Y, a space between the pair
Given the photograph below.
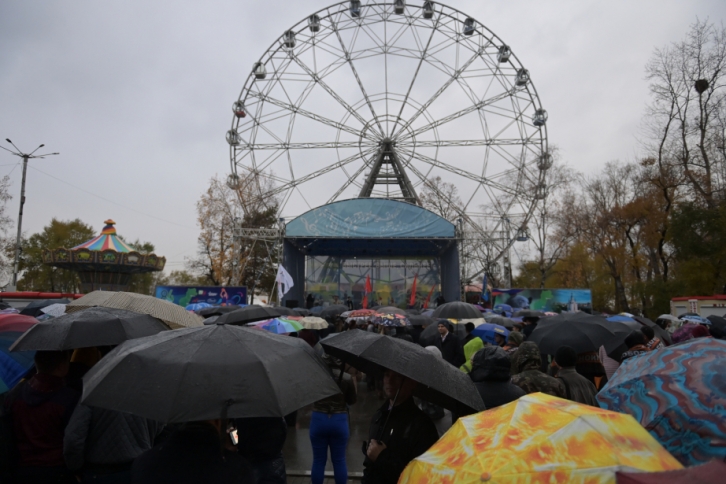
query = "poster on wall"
x=214 y=295
x=556 y=300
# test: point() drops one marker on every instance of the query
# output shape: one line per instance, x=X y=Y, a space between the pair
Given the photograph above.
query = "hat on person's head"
x=515 y=338
x=566 y=357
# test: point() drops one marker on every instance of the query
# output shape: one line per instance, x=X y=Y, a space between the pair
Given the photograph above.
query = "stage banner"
x=214 y=295
x=556 y=300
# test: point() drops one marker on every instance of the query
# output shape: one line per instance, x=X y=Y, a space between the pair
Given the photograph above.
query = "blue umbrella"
x=694 y=318
x=486 y=332
x=316 y=310
x=503 y=309
x=197 y=306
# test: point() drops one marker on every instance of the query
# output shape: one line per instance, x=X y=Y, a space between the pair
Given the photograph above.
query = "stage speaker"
x=291 y=303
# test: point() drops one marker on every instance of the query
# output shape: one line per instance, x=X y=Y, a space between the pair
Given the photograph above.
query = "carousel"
x=105 y=262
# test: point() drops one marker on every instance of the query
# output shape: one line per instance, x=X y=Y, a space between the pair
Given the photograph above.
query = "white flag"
x=284 y=282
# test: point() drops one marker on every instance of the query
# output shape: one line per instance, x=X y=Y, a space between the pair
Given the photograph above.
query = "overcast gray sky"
x=136 y=95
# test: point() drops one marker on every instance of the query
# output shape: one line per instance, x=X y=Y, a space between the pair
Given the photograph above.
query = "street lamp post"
x=25 y=157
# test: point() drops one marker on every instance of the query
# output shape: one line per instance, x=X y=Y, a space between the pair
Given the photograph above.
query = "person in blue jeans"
x=329 y=426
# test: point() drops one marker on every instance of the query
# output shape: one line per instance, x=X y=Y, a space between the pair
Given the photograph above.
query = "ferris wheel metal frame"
x=263 y=136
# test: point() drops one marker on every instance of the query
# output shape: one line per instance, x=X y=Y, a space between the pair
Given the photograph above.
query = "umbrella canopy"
x=667 y=317
x=439 y=382
x=302 y=311
x=13 y=366
x=285 y=311
x=197 y=306
x=661 y=333
x=581 y=331
x=677 y=393
x=487 y=332
x=420 y=320
x=313 y=322
x=173 y=315
x=691 y=318
x=529 y=313
x=248 y=314
x=539 y=438
x=506 y=322
x=54 y=310
x=711 y=473
x=360 y=314
x=279 y=326
x=629 y=322
x=333 y=311
x=390 y=310
x=89 y=327
x=34 y=307
x=457 y=310
x=397 y=320
x=316 y=310
x=207 y=373
x=217 y=310
x=718 y=322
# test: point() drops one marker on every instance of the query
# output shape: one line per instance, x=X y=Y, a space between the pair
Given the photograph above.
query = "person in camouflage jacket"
x=527 y=375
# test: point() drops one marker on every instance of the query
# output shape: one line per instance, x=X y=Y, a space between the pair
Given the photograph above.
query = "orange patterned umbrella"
x=540 y=439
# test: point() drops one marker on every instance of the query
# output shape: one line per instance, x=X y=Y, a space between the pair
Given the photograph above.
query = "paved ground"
x=298 y=452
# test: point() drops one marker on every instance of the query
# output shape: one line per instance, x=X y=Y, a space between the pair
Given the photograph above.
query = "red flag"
x=365 y=301
x=412 y=302
x=428 y=298
x=369 y=287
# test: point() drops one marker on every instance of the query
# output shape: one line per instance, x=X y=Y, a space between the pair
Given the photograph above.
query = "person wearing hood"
x=490 y=373
x=513 y=341
x=39 y=410
x=577 y=387
x=528 y=375
x=470 y=349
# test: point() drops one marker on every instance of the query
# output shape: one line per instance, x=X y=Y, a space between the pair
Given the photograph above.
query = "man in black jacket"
x=399 y=432
x=450 y=345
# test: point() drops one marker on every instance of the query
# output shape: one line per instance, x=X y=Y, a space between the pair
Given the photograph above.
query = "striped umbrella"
x=13 y=366
x=678 y=394
x=279 y=325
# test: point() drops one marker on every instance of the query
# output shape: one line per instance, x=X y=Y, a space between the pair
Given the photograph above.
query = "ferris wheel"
x=390 y=99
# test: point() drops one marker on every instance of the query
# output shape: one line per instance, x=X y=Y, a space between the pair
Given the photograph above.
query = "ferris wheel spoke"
x=351 y=179
x=308 y=114
x=411 y=143
x=306 y=146
x=360 y=84
x=458 y=171
x=329 y=90
x=436 y=95
x=456 y=115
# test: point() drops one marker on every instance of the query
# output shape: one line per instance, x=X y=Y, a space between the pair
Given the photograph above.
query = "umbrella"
x=360 y=314
x=89 y=327
x=711 y=473
x=661 y=333
x=528 y=313
x=333 y=311
x=54 y=310
x=431 y=332
x=316 y=310
x=678 y=394
x=34 y=307
x=428 y=312
x=197 y=306
x=285 y=311
x=397 y=320
x=539 y=439
x=211 y=320
x=718 y=322
x=667 y=317
x=313 y=322
x=217 y=310
x=420 y=320
x=692 y=318
x=207 y=373
x=390 y=310
x=504 y=309
x=581 y=331
x=487 y=331
x=173 y=315
x=14 y=366
x=248 y=314
x=302 y=311
x=629 y=322
x=501 y=321
x=439 y=382
x=279 y=326
x=457 y=310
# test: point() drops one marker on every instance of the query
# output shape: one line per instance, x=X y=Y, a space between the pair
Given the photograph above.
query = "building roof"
x=106 y=240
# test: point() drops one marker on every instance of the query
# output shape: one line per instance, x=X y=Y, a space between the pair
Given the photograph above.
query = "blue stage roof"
x=370 y=218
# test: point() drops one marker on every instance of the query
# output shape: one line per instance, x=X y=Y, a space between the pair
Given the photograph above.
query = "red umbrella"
x=710 y=473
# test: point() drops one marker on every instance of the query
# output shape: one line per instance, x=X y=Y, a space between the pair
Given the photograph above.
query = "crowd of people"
x=47 y=436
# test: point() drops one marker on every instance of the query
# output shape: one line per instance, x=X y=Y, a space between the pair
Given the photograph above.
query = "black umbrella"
x=333 y=311
x=718 y=322
x=390 y=310
x=207 y=373
x=248 y=314
x=420 y=320
x=34 y=307
x=457 y=310
x=285 y=311
x=528 y=313
x=439 y=382
x=217 y=310
x=302 y=311
x=581 y=331
x=501 y=321
x=88 y=327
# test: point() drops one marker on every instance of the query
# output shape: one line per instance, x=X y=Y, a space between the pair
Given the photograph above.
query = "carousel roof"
x=107 y=240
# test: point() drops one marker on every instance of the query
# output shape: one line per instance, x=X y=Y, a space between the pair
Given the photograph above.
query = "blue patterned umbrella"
x=487 y=331
x=678 y=394
x=197 y=306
